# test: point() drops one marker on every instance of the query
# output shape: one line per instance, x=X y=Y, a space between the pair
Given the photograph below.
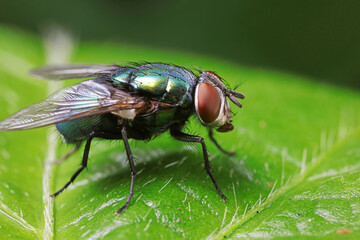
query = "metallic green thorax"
x=163 y=83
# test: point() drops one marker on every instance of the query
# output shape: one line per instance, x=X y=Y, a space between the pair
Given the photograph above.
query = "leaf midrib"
x=58 y=47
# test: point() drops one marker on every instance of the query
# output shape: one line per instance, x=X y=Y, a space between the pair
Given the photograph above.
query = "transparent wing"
x=88 y=98
x=72 y=71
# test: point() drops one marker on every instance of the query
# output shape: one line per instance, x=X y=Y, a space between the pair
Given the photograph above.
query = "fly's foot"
x=57 y=193
x=230 y=153
x=224 y=198
x=123 y=208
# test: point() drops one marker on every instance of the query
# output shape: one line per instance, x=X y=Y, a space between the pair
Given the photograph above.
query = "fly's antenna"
x=233 y=96
x=236 y=94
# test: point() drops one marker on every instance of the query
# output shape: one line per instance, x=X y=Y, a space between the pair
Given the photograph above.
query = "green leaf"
x=296 y=171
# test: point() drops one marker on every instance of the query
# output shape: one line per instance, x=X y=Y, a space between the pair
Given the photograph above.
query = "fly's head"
x=211 y=102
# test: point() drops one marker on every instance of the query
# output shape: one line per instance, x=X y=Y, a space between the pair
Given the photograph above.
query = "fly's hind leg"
x=83 y=165
x=211 y=135
x=106 y=135
x=67 y=155
x=179 y=135
x=86 y=156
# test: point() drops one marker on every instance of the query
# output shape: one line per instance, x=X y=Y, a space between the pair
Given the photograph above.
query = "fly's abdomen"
x=78 y=130
x=161 y=82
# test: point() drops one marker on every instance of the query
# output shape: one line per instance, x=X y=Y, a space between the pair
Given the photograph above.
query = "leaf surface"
x=296 y=171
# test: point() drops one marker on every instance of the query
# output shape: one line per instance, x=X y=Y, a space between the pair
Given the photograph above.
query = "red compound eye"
x=209 y=103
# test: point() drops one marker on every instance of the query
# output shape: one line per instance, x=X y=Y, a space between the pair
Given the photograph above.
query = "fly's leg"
x=83 y=165
x=109 y=135
x=211 y=135
x=86 y=156
x=132 y=169
x=106 y=135
x=177 y=134
x=74 y=150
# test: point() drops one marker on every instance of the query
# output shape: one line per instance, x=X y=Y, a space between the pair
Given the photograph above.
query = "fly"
x=138 y=101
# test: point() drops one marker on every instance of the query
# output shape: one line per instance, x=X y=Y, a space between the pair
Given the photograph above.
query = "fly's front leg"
x=211 y=135
x=132 y=169
x=177 y=134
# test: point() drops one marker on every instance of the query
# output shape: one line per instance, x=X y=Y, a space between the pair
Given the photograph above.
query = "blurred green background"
x=319 y=39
